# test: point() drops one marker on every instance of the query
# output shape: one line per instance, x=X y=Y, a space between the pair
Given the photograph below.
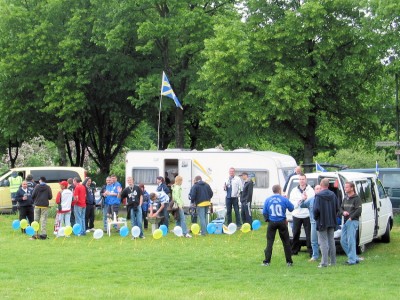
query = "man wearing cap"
x=15 y=183
x=41 y=196
x=246 y=197
x=233 y=187
x=64 y=200
x=80 y=204
x=29 y=180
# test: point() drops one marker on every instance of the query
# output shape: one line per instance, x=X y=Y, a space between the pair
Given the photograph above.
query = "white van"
x=265 y=168
x=376 y=219
x=53 y=176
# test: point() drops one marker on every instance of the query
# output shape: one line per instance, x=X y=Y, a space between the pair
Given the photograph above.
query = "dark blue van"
x=390 y=178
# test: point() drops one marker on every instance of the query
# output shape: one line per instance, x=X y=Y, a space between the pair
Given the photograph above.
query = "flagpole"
x=159 y=121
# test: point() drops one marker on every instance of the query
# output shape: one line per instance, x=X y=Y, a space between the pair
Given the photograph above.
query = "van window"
x=259 y=178
x=364 y=191
x=145 y=175
x=381 y=189
x=54 y=176
x=295 y=182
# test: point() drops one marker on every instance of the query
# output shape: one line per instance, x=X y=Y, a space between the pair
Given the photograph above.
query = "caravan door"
x=185 y=170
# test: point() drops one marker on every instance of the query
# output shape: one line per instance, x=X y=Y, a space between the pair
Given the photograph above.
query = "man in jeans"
x=309 y=203
x=233 y=187
x=80 y=204
x=41 y=196
x=200 y=195
x=326 y=208
x=351 y=209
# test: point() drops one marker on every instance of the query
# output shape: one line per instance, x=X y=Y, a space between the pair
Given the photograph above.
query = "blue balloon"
x=30 y=231
x=123 y=231
x=16 y=224
x=164 y=229
x=256 y=224
x=211 y=227
x=76 y=229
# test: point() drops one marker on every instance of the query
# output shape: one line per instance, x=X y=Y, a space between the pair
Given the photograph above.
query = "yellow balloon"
x=195 y=228
x=245 y=227
x=23 y=223
x=35 y=225
x=157 y=234
x=68 y=230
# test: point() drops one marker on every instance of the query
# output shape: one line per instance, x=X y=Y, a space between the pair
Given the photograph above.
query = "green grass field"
x=212 y=267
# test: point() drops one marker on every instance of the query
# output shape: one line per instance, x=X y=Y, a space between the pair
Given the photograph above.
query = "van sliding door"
x=367 y=219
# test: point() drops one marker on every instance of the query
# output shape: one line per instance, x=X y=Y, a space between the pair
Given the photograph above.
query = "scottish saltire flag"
x=166 y=90
x=318 y=168
x=376 y=169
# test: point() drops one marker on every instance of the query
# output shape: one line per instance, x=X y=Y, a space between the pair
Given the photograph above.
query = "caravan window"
x=145 y=175
x=259 y=178
x=364 y=191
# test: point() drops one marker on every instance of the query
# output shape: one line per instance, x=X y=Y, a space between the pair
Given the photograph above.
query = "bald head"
x=324 y=183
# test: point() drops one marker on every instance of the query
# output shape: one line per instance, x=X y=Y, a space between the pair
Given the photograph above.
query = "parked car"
x=53 y=175
x=390 y=178
x=376 y=220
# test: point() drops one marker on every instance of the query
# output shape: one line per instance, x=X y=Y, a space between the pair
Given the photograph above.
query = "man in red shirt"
x=79 y=204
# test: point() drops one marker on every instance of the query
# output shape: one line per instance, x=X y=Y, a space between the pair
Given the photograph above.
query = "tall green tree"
x=295 y=72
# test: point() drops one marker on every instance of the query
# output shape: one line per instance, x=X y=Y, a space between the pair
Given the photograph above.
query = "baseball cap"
x=64 y=183
x=244 y=173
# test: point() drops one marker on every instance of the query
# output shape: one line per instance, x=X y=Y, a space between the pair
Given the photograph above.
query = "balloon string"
x=90 y=241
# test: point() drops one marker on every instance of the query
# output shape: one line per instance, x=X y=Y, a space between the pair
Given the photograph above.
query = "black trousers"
x=283 y=234
x=144 y=218
x=26 y=212
x=89 y=216
x=246 y=213
x=296 y=245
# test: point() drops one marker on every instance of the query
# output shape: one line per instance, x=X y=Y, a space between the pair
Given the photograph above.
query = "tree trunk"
x=310 y=141
x=12 y=145
x=61 y=149
x=179 y=134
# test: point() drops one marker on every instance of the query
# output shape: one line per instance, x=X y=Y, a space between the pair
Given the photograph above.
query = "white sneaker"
x=188 y=235
x=87 y=231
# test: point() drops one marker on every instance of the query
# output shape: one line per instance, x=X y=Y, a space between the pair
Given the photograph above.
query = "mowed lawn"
x=212 y=267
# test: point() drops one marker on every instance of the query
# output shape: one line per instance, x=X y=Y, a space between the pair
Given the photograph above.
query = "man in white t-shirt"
x=301 y=216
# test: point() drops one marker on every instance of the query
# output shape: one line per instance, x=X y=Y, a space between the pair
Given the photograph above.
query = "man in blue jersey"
x=274 y=212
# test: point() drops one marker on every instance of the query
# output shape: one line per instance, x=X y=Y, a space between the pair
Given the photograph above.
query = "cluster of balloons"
x=135 y=231
x=29 y=230
x=64 y=231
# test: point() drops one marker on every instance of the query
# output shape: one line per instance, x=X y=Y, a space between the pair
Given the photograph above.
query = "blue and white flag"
x=318 y=168
x=376 y=169
x=166 y=90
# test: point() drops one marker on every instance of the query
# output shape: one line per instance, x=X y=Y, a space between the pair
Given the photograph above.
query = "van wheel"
x=359 y=249
x=386 y=236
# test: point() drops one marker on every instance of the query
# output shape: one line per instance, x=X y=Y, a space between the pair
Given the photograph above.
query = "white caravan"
x=265 y=168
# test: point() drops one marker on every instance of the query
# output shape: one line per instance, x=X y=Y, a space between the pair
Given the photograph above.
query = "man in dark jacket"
x=246 y=197
x=351 y=210
x=200 y=195
x=41 y=196
x=326 y=208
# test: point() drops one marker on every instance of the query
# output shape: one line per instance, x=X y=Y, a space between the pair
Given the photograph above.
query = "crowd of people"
x=318 y=211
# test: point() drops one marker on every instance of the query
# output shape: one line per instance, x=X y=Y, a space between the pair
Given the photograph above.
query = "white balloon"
x=61 y=231
x=98 y=234
x=135 y=231
x=232 y=228
x=178 y=231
